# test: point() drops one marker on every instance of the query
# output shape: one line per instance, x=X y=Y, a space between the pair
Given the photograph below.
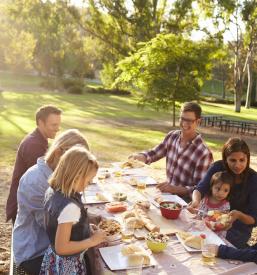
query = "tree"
x=166 y=70
x=236 y=13
x=119 y=26
x=17 y=45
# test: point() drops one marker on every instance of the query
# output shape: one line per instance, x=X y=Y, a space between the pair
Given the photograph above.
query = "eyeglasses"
x=187 y=120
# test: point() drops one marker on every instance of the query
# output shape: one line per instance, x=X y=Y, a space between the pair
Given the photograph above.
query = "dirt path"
x=5 y=175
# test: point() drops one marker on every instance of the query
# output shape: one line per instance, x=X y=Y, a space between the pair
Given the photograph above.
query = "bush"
x=50 y=83
x=77 y=90
x=70 y=82
x=108 y=75
x=107 y=91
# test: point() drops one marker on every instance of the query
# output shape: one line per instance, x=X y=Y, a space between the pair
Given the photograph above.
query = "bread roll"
x=134 y=222
x=128 y=214
x=184 y=235
x=131 y=249
x=194 y=242
x=138 y=258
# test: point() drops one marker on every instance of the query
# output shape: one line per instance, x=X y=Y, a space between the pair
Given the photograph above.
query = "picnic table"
x=175 y=259
x=230 y=125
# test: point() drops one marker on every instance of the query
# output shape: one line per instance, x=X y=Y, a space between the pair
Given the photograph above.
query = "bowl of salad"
x=170 y=209
x=156 y=242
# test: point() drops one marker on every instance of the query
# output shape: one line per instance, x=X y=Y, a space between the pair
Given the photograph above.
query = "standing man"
x=187 y=157
x=33 y=146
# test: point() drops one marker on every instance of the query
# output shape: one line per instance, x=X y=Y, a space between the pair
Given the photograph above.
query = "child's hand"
x=93 y=228
x=193 y=204
x=191 y=209
x=98 y=237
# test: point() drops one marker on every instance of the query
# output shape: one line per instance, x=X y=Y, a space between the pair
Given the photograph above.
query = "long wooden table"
x=175 y=259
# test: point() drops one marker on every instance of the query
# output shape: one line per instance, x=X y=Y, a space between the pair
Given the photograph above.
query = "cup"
x=208 y=253
x=137 y=269
x=141 y=185
x=127 y=233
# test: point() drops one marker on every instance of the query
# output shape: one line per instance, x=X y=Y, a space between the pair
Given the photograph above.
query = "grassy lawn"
x=114 y=126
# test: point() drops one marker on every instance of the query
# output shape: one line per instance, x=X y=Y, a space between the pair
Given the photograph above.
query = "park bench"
x=230 y=125
x=211 y=120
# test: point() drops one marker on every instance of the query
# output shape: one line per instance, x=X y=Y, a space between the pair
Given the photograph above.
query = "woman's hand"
x=234 y=215
x=98 y=237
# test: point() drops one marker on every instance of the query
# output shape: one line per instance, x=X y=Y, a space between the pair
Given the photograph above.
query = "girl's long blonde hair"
x=73 y=168
x=63 y=142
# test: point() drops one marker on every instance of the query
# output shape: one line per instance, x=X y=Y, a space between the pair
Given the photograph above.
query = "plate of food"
x=120 y=257
x=217 y=220
x=170 y=197
x=191 y=241
x=97 y=197
x=112 y=229
x=134 y=180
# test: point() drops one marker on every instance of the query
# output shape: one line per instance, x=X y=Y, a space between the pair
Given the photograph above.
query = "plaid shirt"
x=185 y=167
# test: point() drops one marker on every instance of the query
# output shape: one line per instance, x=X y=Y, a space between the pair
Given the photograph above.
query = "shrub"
x=78 y=90
x=70 y=82
x=107 y=91
x=50 y=83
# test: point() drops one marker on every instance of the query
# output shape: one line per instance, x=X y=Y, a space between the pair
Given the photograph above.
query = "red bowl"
x=170 y=213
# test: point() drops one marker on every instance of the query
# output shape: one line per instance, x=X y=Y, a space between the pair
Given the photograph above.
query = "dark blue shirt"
x=243 y=198
x=245 y=255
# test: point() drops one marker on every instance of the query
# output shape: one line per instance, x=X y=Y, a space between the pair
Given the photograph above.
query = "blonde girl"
x=30 y=239
x=67 y=223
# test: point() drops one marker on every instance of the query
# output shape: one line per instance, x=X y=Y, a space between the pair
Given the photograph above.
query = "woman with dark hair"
x=243 y=195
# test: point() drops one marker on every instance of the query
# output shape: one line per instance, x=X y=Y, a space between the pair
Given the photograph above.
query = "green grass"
x=114 y=126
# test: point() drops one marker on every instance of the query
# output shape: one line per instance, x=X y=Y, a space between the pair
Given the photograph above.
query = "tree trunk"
x=174 y=113
x=249 y=86
x=237 y=98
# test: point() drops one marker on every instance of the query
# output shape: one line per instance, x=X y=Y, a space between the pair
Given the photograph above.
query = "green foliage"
x=167 y=69
x=51 y=83
x=76 y=89
x=108 y=74
x=69 y=82
x=108 y=91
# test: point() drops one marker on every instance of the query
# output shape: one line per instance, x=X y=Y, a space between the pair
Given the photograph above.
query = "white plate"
x=211 y=238
x=116 y=261
x=92 y=199
x=175 y=198
x=146 y=179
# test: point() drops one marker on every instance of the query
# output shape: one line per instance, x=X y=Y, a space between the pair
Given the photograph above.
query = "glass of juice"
x=208 y=253
x=141 y=186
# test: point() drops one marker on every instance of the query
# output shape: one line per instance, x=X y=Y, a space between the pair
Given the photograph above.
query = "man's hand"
x=139 y=157
x=168 y=188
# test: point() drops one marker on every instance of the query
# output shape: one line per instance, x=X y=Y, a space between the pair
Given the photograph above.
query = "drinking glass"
x=141 y=186
x=127 y=233
x=137 y=269
x=208 y=253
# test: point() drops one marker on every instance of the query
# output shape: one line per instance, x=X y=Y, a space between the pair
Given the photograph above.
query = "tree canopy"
x=167 y=69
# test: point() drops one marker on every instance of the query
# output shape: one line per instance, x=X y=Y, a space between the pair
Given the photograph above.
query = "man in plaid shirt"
x=187 y=157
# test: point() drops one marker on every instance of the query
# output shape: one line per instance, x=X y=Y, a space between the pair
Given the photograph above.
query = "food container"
x=217 y=221
x=119 y=196
x=156 y=242
x=170 y=209
x=114 y=207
